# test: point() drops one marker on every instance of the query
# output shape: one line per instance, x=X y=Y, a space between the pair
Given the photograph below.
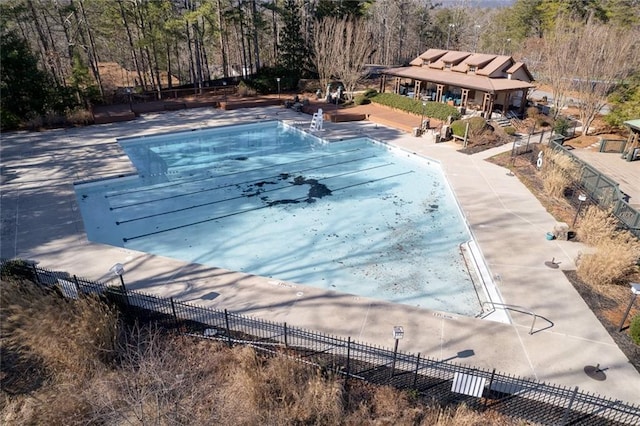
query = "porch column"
x=416 y=90
x=507 y=101
x=383 y=82
x=523 y=104
x=463 y=97
x=439 y=90
x=487 y=104
x=396 y=85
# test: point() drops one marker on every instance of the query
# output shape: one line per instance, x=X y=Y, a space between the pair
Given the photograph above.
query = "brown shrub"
x=596 y=225
x=558 y=171
x=71 y=337
x=79 y=117
x=614 y=262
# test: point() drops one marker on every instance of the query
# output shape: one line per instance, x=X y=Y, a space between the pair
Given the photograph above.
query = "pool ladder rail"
x=516 y=308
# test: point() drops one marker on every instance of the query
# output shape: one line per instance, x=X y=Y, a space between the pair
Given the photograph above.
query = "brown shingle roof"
x=470 y=81
x=518 y=65
x=479 y=59
x=454 y=56
x=432 y=54
x=497 y=63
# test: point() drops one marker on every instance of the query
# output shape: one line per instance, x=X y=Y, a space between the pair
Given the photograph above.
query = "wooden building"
x=468 y=80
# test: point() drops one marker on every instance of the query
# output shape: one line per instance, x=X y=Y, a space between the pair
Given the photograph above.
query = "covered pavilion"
x=479 y=81
x=632 y=147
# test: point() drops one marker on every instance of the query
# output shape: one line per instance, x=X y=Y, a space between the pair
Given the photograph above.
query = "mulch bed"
x=609 y=306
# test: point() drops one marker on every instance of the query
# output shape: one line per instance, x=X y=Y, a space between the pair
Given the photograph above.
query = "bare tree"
x=557 y=49
x=588 y=60
x=605 y=55
x=358 y=45
x=326 y=46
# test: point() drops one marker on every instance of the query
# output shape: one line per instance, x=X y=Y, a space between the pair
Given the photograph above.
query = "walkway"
x=41 y=221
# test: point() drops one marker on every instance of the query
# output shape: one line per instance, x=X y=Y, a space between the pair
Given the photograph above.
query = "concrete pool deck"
x=41 y=221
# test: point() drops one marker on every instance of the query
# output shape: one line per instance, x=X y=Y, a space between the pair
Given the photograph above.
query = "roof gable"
x=498 y=63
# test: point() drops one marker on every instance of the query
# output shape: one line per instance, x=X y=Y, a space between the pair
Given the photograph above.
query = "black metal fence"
x=438 y=380
x=602 y=189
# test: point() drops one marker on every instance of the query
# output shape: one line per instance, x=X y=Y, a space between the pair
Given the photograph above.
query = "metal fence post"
x=75 y=280
x=493 y=373
x=286 y=343
x=226 y=321
x=415 y=373
x=348 y=372
x=35 y=273
x=173 y=309
x=567 y=410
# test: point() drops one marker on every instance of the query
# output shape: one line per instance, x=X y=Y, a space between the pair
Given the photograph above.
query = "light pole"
x=398 y=333
x=449 y=34
x=224 y=91
x=118 y=269
x=582 y=198
x=507 y=42
x=278 y=80
x=635 y=291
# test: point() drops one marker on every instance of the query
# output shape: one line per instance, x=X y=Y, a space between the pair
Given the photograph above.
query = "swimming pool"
x=354 y=216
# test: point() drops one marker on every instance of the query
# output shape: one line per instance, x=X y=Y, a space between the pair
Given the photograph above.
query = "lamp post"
x=278 y=80
x=398 y=333
x=582 y=198
x=475 y=43
x=118 y=269
x=635 y=291
x=507 y=42
x=449 y=34
x=224 y=91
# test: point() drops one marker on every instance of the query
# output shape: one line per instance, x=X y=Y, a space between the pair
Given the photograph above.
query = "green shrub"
x=634 y=329
x=561 y=126
x=458 y=127
x=436 y=110
x=362 y=100
x=369 y=93
x=476 y=126
x=510 y=130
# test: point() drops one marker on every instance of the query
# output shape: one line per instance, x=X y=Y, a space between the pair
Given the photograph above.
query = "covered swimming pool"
x=354 y=216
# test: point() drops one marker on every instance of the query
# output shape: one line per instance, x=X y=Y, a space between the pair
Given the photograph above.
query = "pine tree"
x=293 y=52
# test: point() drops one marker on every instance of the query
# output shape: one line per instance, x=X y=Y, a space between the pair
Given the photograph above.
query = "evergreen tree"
x=293 y=51
x=24 y=89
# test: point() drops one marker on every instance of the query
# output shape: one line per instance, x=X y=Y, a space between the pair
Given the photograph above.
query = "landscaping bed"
x=607 y=302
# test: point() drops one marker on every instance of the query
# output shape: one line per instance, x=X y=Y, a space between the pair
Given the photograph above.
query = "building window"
x=472 y=68
x=447 y=65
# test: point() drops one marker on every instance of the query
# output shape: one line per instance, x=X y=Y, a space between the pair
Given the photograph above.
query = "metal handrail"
x=517 y=309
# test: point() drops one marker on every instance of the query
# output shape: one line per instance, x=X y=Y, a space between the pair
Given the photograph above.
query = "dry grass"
x=69 y=337
x=617 y=252
x=557 y=172
x=154 y=378
x=596 y=225
x=614 y=262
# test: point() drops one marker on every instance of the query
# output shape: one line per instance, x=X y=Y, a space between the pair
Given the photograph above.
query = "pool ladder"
x=513 y=308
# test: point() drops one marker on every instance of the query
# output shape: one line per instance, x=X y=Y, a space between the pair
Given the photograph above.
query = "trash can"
x=417 y=132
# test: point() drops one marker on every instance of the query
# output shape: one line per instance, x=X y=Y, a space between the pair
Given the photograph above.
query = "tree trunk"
x=44 y=53
x=91 y=52
x=223 y=42
x=132 y=48
x=256 y=47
